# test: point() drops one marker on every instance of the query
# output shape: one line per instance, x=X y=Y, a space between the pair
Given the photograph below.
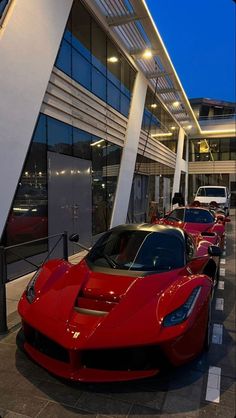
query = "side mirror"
x=74 y=237
x=214 y=251
x=220 y=219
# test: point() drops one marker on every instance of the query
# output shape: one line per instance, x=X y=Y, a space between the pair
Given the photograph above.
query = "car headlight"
x=183 y=312
x=30 y=289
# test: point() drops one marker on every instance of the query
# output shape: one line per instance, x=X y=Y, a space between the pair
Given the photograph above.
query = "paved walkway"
x=26 y=390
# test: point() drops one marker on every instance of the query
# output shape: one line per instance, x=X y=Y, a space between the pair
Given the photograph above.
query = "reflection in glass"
x=59 y=137
x=28 y=217
x=93 y=60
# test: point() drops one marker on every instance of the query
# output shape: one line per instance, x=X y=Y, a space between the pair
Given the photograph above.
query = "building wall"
x=27 y=59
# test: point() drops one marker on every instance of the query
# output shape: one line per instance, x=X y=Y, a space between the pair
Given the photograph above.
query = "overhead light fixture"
x=147 y=54
x=97 y=143
x=175 y=104
x=189 y=127
x=154 y=105
x=112 y=59
x=173 y=128
x=219 y=131
x=164 y=134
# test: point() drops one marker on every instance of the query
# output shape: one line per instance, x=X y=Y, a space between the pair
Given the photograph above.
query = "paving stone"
x=212 y=410
x=102 y=405
x=10 y=414
x=55 y=410
x=60 y=392
x=178 y=404
x=143 y=411
x=20 y=402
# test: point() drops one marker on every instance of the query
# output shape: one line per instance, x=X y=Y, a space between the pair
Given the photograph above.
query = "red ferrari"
x=195 y=220
x=141 y=295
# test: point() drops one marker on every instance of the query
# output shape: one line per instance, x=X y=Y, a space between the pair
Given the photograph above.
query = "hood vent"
x=93 y=306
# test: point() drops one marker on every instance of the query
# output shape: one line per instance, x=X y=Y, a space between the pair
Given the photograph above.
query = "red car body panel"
x=83 y=310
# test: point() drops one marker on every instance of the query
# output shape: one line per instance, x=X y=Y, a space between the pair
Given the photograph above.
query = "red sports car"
x=141 y=295
x=197 y=220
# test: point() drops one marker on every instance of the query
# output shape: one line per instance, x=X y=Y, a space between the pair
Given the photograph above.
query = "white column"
x=129 y=153
x=186 y=174
x=180 y=165
x=29 y=42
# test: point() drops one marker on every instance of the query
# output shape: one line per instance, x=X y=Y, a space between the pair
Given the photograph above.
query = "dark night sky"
x=200 y=38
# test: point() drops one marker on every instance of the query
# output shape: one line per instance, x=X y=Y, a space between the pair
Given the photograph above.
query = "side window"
x=189 y=248
x=177 y=214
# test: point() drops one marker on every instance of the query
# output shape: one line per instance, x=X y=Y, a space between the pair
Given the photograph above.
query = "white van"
x=218 y=194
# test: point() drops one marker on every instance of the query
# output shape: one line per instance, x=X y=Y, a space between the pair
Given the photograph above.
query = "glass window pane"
x=81 y=144
x=59 y=137
x=3 y=4
x=81 y=69
x=124 y=105
x=63 y=61
x=113 y=96
x=99 y=54
x=113 y=64
x=68 y=31
x=99 y=190
x=98 y=84
x=81 y=25
x=28 y=218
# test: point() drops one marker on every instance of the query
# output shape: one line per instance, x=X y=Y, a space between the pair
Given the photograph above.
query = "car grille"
x=45 y=345
x=123 y=359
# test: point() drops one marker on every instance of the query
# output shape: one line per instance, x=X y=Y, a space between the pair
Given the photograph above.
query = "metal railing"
x=3 y=269
x=231 y=116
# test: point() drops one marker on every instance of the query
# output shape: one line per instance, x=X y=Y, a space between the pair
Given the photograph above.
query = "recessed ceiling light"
x=175 y=104
x=154 y=105
x=147 y=54
x=173 y=128
x=112 y=59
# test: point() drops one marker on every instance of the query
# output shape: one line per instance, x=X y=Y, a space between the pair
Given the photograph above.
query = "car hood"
x=134 y=316
x=193 y=228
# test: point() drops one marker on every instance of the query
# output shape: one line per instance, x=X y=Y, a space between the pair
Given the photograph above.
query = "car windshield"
x=138 y=250
x=198 y=216
x=211 y=192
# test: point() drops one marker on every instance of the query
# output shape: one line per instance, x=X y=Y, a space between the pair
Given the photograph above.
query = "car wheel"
x=207 y=340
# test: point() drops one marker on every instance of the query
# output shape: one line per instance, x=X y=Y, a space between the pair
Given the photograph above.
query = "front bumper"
x=90 y=365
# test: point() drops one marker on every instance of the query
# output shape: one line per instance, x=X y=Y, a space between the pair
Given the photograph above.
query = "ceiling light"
x=175 y=104
x=154 y=105
x=162 y=134
x=189 y=127
x=112 y=59
x=147 y=54
x=97 y=143
x=173 y=128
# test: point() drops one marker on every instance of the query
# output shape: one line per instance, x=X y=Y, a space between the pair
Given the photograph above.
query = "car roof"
x=212 y=187
x=194 y=207
x=163 y=229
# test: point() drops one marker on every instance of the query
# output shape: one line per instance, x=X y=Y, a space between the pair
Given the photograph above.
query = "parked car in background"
x=141 y=296
x=217 y=194
x=197 y=220
x=27 y=223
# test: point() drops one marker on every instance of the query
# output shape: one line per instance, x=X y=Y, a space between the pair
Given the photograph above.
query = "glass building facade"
x=212 y=149
x=28 y=219
x=89 y=57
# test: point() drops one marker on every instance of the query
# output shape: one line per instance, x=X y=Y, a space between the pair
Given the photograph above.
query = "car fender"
x=176 y=296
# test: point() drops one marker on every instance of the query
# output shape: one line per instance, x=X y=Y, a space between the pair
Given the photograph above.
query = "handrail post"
x=65 y=245
x=3 y=303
